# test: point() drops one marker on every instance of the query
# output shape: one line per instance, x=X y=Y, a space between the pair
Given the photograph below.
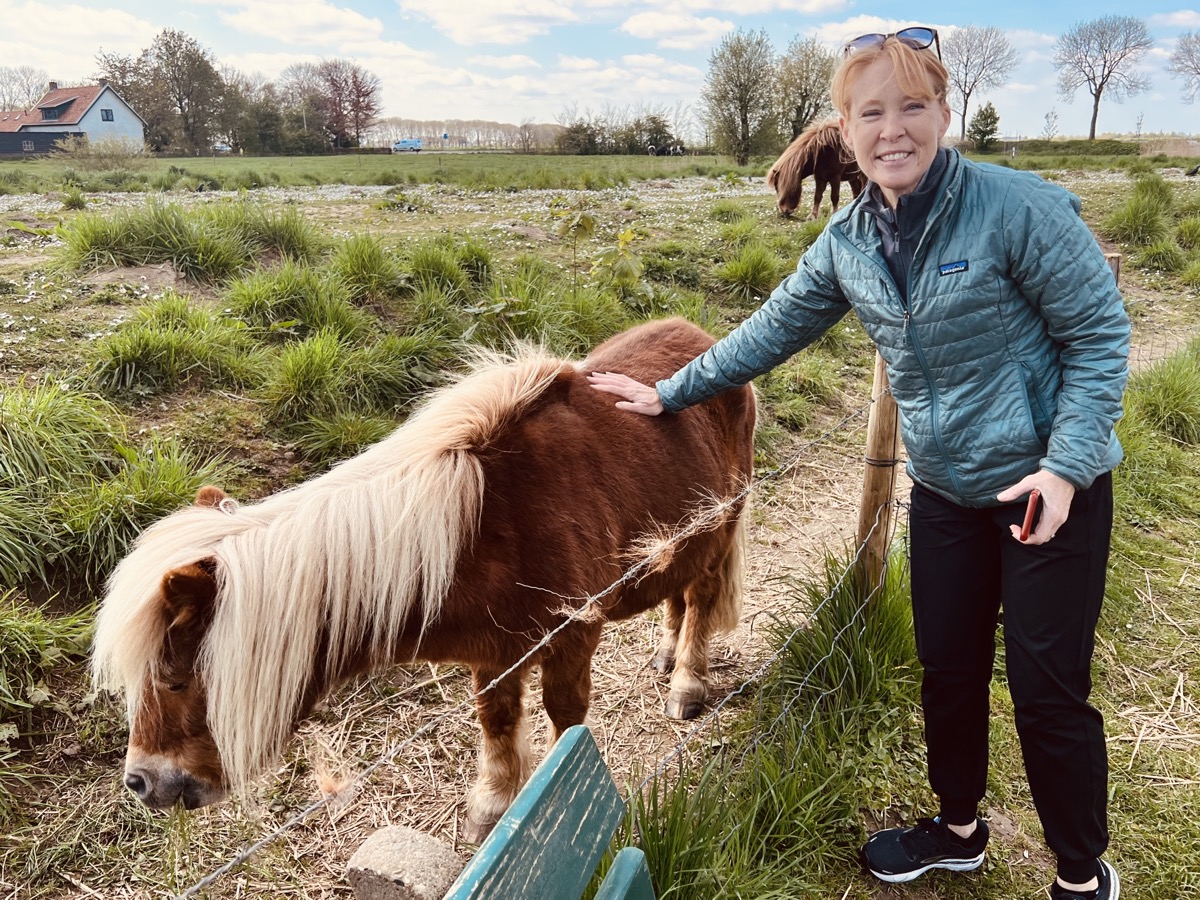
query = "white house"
x=95 y=110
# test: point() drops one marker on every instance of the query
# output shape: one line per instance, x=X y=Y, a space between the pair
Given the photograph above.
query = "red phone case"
x=1030 y=509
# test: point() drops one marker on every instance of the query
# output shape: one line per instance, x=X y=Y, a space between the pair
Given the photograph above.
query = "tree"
x=1102 y=54
x=136 y=81
x=985 y=125
x=1185 y=64
x=193 y=85
x=805 y=71
x=738 y=93
x=977 y=59
x=1050 y=129
x=21 y=86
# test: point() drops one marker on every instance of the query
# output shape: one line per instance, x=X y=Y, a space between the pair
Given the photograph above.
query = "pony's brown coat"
x=462 y=537
x=820 y=152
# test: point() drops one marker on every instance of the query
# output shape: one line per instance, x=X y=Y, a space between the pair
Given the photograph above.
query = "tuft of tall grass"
x=1166 y=397
x=169 y=342
x=1153 y=189
x=1139 y=221
x=738 y=233
x=1187 y=233
x=433 y=264
x=368 y=272
x=24 y=530
x=752 y=272
x=294 y=299
x=727 y=210
x=1161 y=256
x=393 y=371
x=1191 y=275
x=100 y=519
x=340 y=435
x=52 y=437
x=307 y=381
x=32 y=643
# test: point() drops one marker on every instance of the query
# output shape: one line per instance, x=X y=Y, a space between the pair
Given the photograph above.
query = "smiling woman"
x=1005 y=341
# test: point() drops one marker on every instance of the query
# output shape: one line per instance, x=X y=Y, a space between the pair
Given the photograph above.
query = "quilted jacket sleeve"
x=798 y=312
x=1061 y=270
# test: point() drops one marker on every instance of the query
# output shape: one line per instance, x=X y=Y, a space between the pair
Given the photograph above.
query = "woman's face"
x=894 y=137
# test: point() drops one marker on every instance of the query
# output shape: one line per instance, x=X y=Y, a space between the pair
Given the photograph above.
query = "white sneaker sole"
x=956 y=865
x=1114 y=881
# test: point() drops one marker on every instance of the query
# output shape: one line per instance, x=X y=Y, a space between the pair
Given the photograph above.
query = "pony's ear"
x=189 y=595
x=210 y=495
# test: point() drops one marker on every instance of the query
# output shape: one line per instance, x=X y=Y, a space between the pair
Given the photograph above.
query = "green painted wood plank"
x=548 y=844
x=628 y=878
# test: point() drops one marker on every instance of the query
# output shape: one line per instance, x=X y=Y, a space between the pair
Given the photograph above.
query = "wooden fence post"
x=1114 y=263
x=879 y=481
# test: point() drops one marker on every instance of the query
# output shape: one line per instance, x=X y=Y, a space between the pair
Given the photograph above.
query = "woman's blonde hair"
x=919 y=73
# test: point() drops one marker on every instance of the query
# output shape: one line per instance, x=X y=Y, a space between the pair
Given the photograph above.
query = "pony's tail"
x=728 y=608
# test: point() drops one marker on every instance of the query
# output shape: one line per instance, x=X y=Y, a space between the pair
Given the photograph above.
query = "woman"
x=1006 y=343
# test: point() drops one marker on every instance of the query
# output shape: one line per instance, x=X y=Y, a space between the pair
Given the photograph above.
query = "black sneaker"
x=901 y=854
x=1110 y=887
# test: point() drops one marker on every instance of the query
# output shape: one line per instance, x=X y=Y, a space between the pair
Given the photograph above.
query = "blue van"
x=409 y=145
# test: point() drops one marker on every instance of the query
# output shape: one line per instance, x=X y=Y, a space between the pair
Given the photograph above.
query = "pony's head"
x=172 y=755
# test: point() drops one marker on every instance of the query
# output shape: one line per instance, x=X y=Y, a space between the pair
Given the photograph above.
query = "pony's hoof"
x=474 y=832
x=663 y=662
x=683 y=707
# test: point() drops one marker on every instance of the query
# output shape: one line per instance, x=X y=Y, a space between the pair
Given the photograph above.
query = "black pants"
x=966 y=567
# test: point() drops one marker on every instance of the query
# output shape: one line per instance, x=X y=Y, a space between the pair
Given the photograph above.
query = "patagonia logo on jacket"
x=953 y=268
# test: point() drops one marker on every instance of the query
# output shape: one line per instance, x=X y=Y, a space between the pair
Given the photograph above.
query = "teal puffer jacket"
x=1010 y=354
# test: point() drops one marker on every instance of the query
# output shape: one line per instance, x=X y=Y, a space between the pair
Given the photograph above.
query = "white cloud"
x=1184 y=18
x=676 y=31
x=491 y=21
x=516 y=61
x=67 y=49
x=303 y=22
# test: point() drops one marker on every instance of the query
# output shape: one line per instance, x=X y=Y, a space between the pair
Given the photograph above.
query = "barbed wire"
x=706 y=519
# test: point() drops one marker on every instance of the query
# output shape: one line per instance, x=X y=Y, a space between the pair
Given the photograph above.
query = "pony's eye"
x=176 y=687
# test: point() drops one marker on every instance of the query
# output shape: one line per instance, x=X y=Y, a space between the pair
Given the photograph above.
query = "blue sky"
x=512 y=60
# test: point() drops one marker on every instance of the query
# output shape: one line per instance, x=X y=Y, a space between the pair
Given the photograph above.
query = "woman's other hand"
x=635 y=396
x=1057 y=494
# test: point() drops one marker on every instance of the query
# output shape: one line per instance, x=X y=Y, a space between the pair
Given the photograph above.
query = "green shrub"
x=341 y=435
x=1167 y=398
x=433 y=264
x=1154 y=189
x=1191 y=275
x=74 y=198
x=307 y=381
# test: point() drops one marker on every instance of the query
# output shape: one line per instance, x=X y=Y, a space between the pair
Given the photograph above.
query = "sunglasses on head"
x=917 y=37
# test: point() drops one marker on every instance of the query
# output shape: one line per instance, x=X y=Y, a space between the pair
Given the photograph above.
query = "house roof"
x=72 y=104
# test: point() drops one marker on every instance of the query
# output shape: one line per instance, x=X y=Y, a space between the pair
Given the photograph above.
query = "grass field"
x=155 y=339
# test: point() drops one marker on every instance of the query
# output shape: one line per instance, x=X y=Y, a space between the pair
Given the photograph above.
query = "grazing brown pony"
x=817 y=151
x=465 y=536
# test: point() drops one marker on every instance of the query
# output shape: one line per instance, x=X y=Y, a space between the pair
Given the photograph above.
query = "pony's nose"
x=137 y=783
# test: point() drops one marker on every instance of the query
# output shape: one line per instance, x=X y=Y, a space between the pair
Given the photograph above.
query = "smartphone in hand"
x=1030 y=512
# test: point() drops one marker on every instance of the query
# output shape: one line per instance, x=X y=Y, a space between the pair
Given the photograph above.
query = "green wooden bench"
x=548 y=844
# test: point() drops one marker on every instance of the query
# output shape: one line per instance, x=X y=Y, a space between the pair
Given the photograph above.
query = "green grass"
x=751 y=272
x=1139 y=221
x=295 y=300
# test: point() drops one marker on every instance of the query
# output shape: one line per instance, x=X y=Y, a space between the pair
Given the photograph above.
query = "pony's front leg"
x=835 y=189
x=818 y=193
x=504 y=764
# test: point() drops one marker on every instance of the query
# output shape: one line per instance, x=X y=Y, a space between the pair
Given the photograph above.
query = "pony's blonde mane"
x=812 y=140
x=342 y=559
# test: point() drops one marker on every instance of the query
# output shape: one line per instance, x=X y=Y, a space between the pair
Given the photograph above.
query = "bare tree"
x=805 y=72
x=1103 y=54
x=21 y=86
x=1185 y=63
x=738 y=95
x=977 y=59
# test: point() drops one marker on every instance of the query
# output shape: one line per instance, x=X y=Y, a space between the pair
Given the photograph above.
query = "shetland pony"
x=469 y=533
x=817 y=151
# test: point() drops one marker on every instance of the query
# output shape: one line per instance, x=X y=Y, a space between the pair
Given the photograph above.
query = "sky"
x=540 y=60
